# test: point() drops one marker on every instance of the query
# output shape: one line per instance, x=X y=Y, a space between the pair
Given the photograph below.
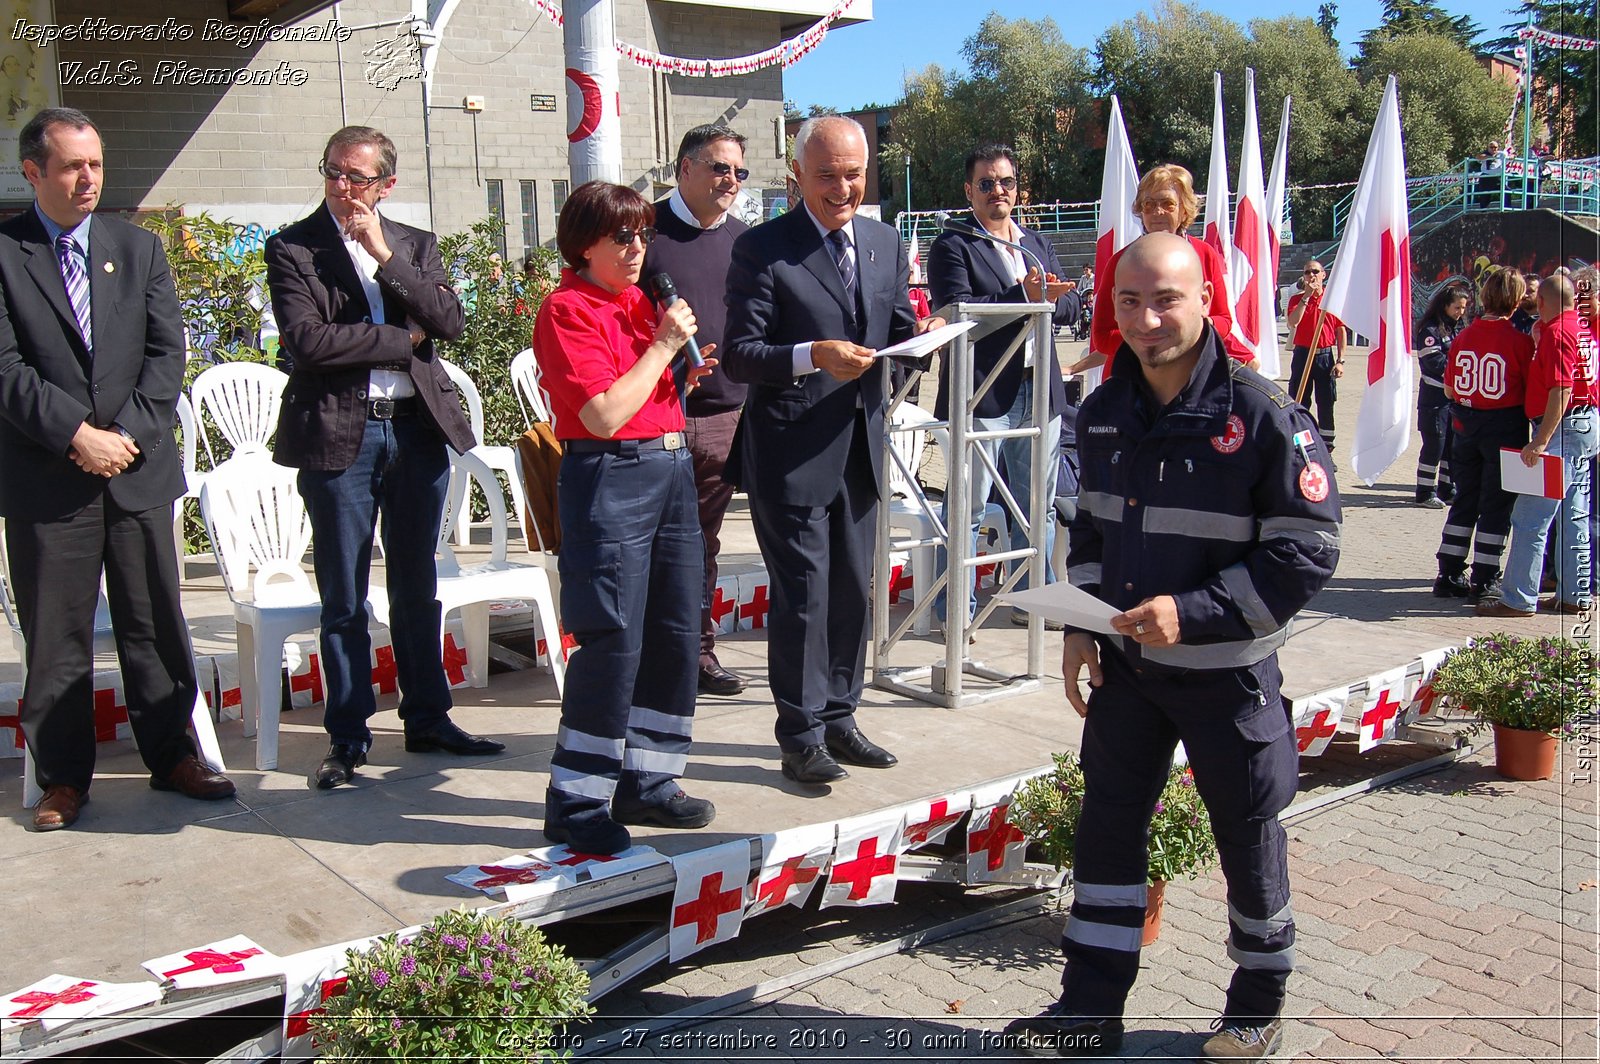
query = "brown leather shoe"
x=1556 y=604
x=1498 y=608
x=58 y=808
x=194 y=779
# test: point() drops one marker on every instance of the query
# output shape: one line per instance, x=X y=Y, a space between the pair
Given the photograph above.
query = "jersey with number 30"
x=1488 y=367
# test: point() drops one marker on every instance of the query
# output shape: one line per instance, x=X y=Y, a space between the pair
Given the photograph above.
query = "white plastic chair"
x=241 y=399
x=104 y=643
x=472 y=588
x=498 y=457
x=192 y=477
x=257 y=522
x=530 y=393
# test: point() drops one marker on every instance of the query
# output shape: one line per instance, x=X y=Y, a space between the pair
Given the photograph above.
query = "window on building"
x=530 y=217
x=497 y=208
x=559 y=189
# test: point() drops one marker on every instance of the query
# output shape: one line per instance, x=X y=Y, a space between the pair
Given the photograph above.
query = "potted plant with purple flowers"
x=1531 y=691
x=468 y=986
x=1047 y=808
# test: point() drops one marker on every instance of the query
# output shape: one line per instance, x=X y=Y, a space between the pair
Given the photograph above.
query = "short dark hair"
x=356 y=136
x=700 y=137
x=988 y=153
x=31 y=145
x=597 y=209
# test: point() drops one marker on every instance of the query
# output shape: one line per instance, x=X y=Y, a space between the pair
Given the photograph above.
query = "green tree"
x=1570 y=74
x=1328 y=20
x=1409 y=18
x=1449 y=105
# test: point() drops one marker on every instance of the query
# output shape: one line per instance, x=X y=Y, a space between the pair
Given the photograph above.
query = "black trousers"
x=710 y=438
x=1323 y=387
x=819 y=560
x=1433 y=462
x=1480 y=516
x=55 y=572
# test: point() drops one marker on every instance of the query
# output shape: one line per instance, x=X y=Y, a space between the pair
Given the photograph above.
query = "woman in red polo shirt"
x=631 y=558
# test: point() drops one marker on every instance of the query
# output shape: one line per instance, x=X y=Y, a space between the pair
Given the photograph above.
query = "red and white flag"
x=994 y=844
x=1421 y=699
x=1255 y=264
x=1218 y=229
x=865 y=861
x=1316 y=719
x=1278 y=194
x=232 y=960
x=57 y=1000
x=792 y=862
x=1370 y=291
x=708 y=901
x=1118 y=225
x=310 y=979
x=1380 y=710
x=516 y=878
x=928 y=822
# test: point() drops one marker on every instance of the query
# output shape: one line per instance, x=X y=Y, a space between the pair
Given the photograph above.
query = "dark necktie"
x=840 y=246
x=77 y=282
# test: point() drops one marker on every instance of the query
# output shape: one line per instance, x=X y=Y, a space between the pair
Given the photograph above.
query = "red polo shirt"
x=1489 y=365
x=585 y=339
x=1565 y=358
x=1329 y=337
x=1105 y=337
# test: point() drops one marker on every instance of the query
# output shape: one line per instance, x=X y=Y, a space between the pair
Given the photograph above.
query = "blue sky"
x=866 y=63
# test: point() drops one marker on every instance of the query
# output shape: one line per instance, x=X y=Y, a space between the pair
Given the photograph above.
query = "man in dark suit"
x=366 y=417
x=91 y=362
x=811 y=296
x=966 y=268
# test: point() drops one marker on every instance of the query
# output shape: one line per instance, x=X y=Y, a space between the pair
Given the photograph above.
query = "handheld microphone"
x=664 y=292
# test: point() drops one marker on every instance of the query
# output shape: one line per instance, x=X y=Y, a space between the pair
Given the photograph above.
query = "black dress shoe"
x=856 y=749
x=339 y=766
x=447 y=737
x=813 y=765
x=593 y=835
x=679 y=811
x=715 y=680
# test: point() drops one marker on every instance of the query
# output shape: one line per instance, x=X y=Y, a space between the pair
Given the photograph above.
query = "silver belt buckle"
x=672 y=441
x=383 y=409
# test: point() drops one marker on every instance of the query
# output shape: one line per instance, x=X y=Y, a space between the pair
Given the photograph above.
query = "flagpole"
x=1311 y=355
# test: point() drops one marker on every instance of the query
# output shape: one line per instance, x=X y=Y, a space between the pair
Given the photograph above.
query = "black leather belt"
x=388 y=409
x=672 y=441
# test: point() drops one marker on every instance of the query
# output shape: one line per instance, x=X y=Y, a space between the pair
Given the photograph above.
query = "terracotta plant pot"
x=1155 y=901
x=1520 y=754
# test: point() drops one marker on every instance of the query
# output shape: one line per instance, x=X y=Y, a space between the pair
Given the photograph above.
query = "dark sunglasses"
x=724 y=169
x=356 y=180
x=1311 y=273
x=987 y=185
x=625 y=236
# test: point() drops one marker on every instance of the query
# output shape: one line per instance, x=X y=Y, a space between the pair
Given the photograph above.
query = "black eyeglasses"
x=356 y=180
x=625 y=236
x=1311 y=273
x=986 y=185
x=724 y=169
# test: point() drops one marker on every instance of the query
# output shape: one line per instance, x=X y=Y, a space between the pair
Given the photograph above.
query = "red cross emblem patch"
x=1232 y=437
x=1314 y=482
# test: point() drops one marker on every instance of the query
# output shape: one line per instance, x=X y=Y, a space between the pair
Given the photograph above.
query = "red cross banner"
x=994 y=844
x=592 y=866
x=865 y=861
x=708 y=901
x=792 y=862
x=10 y=720
x=725 y=605
x=305 y=674
x=110 y=709
x=231 y=695
x=928 y=822
x=1316 y=719
x=385 y=670
x=310 y=979
x=232 y=960
x=1421 y=701
x=454 y=658
x=1380 y=710
x=755 y=599
x=519 y=871
x=57 y=1000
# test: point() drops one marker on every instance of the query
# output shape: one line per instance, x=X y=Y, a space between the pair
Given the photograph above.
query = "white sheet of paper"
x=1540 y=480
x=1067 y=604
x=918 y=346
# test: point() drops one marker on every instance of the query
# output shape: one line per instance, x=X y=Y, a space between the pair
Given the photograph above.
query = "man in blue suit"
x=811 y=296
x=966 y=268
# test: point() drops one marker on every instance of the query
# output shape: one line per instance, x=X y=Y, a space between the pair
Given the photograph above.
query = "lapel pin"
x=110 y=268
x=872 y=256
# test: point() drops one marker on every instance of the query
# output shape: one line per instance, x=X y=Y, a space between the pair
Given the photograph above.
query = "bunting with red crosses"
x=708 y=900
x=310 y=980
x=1379 y=712
x=57 y=1000
x=928 y=822
x=792 y=863
x=1316 y=720
x=755 y=600
x=995 y=846
x=232 y=960
x=509 y=875
x=866 y=860
x=1422 y=702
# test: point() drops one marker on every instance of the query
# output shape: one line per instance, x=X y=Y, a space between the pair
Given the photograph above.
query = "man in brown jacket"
x=366 y=417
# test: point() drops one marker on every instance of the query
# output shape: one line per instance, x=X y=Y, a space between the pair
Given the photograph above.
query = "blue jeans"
x=1576 y=442
x=402 y=469
x=1018 y=455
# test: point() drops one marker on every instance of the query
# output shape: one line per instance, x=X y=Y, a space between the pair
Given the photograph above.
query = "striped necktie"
x=77 y=281
x=841 y=258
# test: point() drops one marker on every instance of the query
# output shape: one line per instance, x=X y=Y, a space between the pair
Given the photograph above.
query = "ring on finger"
x=1139 y=628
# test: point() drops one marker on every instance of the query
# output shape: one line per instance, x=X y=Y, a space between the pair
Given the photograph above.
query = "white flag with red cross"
x=1218 y=229
x=305 y=674
x=1255 y=318
x=928 y=822
x=310 y=979
x=597 y=865
x=1369 y=289
x=725 y=604
x=230 y=693
x=708 y=901
x=232 y=960
x=385 y=670
x=1118 y=225
x=866 y=860
x=516 y=871
x=1277 y=196
x=1421 y=699
x=792 y=863
x=57 y=1000
x=755 y=599
x=994 y=844
x=110 y=708
x=11 y=742
x=1380 y=710
x=1316 y=719
x=453 y=656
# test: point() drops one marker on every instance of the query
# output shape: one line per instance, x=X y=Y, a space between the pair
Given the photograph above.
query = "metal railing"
x=923 y=226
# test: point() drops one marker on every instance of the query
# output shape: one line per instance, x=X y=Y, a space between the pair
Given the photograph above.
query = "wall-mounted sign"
x=539 y=101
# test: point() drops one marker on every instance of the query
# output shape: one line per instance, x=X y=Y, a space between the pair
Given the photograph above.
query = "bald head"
x=1556 y=295
x=1166 y=252
x=1161 y=301
x=830 y=166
